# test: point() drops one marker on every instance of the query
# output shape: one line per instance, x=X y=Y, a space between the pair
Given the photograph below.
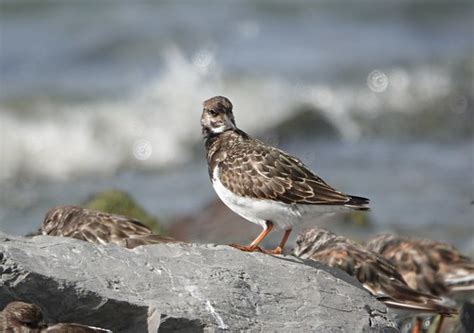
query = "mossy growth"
x=121 y=203
x=358 y=219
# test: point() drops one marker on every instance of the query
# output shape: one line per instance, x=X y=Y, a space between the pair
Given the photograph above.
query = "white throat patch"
x=219 y=130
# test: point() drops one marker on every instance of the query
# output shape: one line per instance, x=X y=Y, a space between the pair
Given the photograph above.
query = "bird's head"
x=24 y=315
x=56 y=217
x=217 y=116
x=310 y=241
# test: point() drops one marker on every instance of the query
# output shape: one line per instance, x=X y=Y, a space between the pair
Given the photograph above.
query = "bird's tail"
x=358 y=203
x=459 y=284
x=427 y=307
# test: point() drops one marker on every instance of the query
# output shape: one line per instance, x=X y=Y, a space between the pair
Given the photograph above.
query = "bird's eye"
x=213 y=113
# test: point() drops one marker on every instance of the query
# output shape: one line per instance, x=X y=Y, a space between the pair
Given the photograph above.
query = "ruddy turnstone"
x=98 y=227
x=375 y=273
x=427 y=265
x=22 y=317
x=261 y=183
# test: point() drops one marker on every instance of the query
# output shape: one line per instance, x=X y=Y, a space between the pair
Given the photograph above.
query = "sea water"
x=100 y=95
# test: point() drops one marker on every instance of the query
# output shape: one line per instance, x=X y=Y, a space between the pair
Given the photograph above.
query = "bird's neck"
x=214 y=146
x=227 y=139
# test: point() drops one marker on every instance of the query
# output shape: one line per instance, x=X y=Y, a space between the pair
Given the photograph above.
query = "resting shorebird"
x=22 y=317
x=427 y=265
x=98 y=227
x=261 y=183
x=375 y=273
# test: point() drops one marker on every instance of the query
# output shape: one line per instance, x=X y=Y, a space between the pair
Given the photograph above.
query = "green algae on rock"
x=121 y=203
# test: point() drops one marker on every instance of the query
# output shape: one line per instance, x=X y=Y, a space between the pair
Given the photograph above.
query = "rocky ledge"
x=183 y=288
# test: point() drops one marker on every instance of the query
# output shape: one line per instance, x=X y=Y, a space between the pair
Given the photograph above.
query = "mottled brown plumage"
x=375 y=273
x=252 y=178
x=250 y=168
x=427 y=265
x=22 y=317
x=98 y=227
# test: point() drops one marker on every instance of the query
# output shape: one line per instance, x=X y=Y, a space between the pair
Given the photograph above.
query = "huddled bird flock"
x=273 y=189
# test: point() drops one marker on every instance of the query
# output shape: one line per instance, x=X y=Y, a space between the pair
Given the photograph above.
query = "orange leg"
x=279 y=248
x=254 y=245
x=440 y=324
x=417 y=327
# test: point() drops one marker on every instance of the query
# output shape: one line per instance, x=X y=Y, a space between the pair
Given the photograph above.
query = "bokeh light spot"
x=377 y=81
x=142 y=149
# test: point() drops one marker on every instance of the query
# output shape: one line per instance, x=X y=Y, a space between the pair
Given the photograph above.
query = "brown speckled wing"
x=448 y=257
x=255 y=170
x=376 y=274
x=415 y=264
x=92 y=226
x=380 y=277
x=426 y=265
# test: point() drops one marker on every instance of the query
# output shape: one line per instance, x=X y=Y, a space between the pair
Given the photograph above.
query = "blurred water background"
x=376 y=96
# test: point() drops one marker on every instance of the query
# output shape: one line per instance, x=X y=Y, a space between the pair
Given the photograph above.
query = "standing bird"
x=261 y=183
x=22 y=317
x=375 y=273
x=427 y=265
x=98 y=227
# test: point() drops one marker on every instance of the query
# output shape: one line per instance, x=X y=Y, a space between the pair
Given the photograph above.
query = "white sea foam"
x=60 y=141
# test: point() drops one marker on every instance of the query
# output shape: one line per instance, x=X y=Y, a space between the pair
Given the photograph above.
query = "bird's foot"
x=248 y=248
x=417 y=326
x=277 y=250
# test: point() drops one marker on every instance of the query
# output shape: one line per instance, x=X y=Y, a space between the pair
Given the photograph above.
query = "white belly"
x=283 y=216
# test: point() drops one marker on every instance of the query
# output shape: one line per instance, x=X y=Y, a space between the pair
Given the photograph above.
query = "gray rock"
x=183 y=288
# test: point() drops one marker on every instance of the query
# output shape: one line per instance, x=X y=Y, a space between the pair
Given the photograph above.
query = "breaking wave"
x=158 y=124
